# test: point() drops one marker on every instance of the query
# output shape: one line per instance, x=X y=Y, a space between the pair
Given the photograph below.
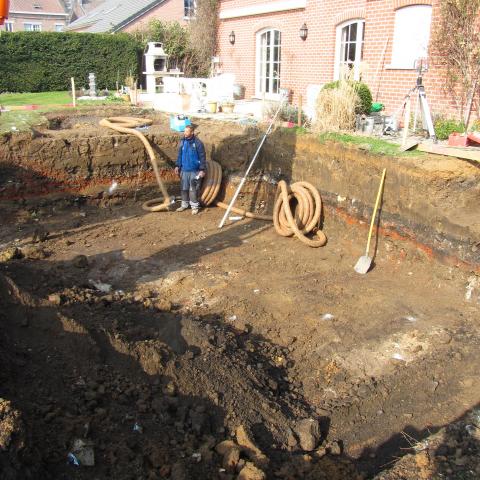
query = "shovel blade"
x=363 y=265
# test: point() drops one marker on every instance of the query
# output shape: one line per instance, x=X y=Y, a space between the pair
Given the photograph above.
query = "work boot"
x=195 y=211
x=181 y=209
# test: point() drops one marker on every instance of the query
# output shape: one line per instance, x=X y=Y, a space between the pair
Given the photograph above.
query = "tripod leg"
x=427 y=117
x=406 y=122
x=415 y=116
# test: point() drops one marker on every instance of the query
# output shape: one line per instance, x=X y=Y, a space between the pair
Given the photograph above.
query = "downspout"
x=4 y=7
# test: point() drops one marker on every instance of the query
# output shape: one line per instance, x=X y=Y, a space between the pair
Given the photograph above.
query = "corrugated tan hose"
x=129 y=125
x=303 y=220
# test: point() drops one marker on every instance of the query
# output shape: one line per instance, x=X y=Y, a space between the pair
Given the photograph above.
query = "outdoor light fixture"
x=304 y=32
x=231 y=37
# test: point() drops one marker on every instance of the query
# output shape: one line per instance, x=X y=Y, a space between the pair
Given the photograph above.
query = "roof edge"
x=139 y=14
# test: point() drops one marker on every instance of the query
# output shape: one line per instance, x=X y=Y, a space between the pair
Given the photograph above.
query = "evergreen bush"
x=45 y=61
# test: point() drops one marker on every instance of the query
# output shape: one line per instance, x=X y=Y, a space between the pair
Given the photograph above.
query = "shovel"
x=365 y=262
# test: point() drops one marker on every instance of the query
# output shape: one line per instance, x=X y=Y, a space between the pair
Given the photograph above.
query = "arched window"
x=349 y=47
x=269 y=59
x=411 y=35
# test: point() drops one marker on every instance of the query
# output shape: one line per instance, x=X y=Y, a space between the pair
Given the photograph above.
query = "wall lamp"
x=231 y=38
x=304 y=32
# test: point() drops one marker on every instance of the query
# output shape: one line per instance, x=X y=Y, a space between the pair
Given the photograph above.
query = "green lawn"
x=20 y=120
x=374 y=145
x=44 y=98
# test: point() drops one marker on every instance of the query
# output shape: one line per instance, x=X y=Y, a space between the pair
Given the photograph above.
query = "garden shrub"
x=444 y=127
x=45 y=61
x=363 y=92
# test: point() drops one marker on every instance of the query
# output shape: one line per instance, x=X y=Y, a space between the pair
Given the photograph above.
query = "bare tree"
x=203 y=33
x=456 y=45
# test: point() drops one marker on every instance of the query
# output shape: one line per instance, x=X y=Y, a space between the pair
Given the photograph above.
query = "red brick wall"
x=312 y=61
x=169 y=11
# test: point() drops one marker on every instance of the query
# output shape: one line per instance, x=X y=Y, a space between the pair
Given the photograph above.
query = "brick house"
x=115 y=16
x=260 y=42
x=36 y=16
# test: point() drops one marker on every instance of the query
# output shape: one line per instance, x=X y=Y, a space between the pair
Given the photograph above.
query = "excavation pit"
x=116 y=318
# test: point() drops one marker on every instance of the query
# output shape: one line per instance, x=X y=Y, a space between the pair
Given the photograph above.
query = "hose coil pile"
x=297 y=208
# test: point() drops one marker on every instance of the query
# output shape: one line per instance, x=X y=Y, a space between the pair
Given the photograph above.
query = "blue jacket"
x=191 y=155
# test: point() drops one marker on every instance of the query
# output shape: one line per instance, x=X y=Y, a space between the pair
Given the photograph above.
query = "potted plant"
x=212 y=106
x=227 y=107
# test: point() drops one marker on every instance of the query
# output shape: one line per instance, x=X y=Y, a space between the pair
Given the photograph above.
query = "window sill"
x=398 y=67
x=271 y=97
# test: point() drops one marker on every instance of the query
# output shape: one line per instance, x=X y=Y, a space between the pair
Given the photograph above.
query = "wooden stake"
x=300 y=106
x=74 y=97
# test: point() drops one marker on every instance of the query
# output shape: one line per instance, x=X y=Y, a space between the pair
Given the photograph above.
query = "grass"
x=43 y=98
x=22 y=120
x=373 y=145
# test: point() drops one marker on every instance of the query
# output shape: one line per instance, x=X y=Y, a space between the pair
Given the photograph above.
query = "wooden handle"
x=377 y=202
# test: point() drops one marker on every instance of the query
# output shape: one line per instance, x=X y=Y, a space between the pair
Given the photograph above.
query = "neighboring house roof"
x=37 y=7
x=113 y=15
x=80 y=9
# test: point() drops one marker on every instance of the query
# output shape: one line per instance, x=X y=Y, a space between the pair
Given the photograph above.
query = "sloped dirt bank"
x=429 y=200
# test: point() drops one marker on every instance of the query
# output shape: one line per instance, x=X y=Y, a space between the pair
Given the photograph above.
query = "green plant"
x=444 y=127
x=362 y=90
x=189 y=48
x=335 y=108
x=45 y=61
x=475 y=126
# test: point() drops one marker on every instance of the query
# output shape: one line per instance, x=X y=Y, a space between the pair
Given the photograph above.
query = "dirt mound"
x=114 y=381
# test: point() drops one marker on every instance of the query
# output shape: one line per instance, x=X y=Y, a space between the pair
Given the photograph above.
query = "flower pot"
x=228 y=108
x=212 y=107
x=457 y=140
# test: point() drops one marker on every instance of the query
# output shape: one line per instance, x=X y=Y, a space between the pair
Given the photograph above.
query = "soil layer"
x=153 y=337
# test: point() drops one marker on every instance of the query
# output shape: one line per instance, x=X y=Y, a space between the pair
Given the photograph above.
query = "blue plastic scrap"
x=73 y=460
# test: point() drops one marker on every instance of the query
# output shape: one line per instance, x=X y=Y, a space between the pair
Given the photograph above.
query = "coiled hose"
x=129 y=125
x=305 y=218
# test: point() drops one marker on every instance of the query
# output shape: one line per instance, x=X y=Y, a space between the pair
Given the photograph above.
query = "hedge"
x=45 y=61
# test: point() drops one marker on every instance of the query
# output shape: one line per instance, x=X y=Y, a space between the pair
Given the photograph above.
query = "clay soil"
x=206 y=330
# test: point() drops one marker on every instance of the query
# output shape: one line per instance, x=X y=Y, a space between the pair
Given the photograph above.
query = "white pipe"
x=232 y=202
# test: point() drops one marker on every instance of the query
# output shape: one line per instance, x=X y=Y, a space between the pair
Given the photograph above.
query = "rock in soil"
x=308 y=432
x=251 y=472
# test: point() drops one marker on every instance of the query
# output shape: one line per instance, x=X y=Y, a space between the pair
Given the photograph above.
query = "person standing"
x=191 y=166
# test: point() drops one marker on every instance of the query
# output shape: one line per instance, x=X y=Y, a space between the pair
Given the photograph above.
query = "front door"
x=268 y=63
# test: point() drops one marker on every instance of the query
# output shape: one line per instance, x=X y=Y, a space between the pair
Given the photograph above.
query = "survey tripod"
x=420 y=102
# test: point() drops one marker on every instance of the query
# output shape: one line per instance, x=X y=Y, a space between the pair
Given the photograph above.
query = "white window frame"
x=61 y=25
x=33 y=24
x=185 y=7
x=10 y=24
x=409 y=42
x=359 y=47
x=258 y=86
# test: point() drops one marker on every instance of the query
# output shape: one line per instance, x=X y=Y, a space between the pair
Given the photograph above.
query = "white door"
x=268 y=63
